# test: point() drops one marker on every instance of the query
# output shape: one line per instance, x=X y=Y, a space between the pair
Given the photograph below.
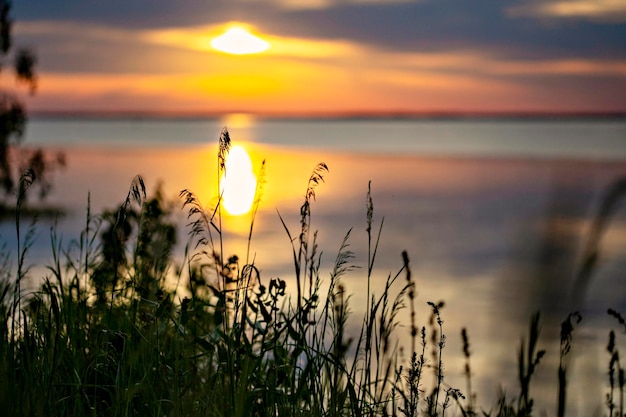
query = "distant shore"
x=347 y=115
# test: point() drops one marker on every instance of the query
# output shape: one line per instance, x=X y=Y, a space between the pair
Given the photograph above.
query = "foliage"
x=118 y=329
x=15 y=160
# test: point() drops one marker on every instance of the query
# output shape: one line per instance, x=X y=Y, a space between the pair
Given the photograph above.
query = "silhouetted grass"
x=120 y=328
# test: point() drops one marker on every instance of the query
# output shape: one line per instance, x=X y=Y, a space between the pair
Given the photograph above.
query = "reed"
x=106 y=334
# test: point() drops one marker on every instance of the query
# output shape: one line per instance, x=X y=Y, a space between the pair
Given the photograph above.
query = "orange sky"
x=115 y=66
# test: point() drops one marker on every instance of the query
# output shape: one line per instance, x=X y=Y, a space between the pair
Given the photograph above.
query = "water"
x=598 y=139
x=493 y=213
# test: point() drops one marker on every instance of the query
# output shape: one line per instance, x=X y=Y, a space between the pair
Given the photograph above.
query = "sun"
x=238 y=184
x=238 y=41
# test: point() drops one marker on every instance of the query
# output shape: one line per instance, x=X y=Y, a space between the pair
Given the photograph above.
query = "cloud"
x=432 y=26
x=80 y=48
x=329 y=4
x=102 y=49
x=594 y=10
x=562 y=67
x=392 y=25
x=61 y=29
x=363 y=54
x=303 y=4
x=199 y=38
x=489 y=64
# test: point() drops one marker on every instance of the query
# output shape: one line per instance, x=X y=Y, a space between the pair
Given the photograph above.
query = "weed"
x=106 y=334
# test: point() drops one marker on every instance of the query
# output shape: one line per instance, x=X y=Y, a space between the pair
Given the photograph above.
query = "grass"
x=107 y=334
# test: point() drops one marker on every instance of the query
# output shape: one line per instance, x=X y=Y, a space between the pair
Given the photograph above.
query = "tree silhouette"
x=13 y=159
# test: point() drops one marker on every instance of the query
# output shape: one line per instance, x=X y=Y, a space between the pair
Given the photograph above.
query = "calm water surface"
x=492 y=213
x=472 y=137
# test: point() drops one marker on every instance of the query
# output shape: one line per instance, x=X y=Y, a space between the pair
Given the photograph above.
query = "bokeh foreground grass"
x=108 y=334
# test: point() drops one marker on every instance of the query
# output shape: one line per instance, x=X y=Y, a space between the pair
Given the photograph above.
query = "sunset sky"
x=327 y=56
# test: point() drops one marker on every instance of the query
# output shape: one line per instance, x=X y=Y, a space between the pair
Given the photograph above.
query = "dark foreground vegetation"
x=118 y=328
x=15 y=158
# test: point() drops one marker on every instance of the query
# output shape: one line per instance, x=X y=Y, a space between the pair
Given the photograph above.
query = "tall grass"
x=108 y=334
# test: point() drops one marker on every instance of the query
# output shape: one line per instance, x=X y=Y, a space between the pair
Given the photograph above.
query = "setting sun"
x=238 y=41
x=238 y=184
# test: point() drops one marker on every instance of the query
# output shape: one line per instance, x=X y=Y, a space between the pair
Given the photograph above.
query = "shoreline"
x=444 y=115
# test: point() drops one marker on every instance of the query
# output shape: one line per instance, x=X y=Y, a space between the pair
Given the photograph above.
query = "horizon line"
x=348 y=114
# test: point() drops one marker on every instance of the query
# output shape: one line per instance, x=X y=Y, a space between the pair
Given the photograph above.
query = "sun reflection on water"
x=238 y=183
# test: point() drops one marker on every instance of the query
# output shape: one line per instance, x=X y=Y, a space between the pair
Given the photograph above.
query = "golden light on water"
x=239 y=41
x=238 y=183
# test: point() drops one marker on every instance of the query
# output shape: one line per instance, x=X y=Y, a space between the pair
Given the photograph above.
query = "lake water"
x=493 y=214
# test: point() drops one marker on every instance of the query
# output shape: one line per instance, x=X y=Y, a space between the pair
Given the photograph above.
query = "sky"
x=328 y=56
